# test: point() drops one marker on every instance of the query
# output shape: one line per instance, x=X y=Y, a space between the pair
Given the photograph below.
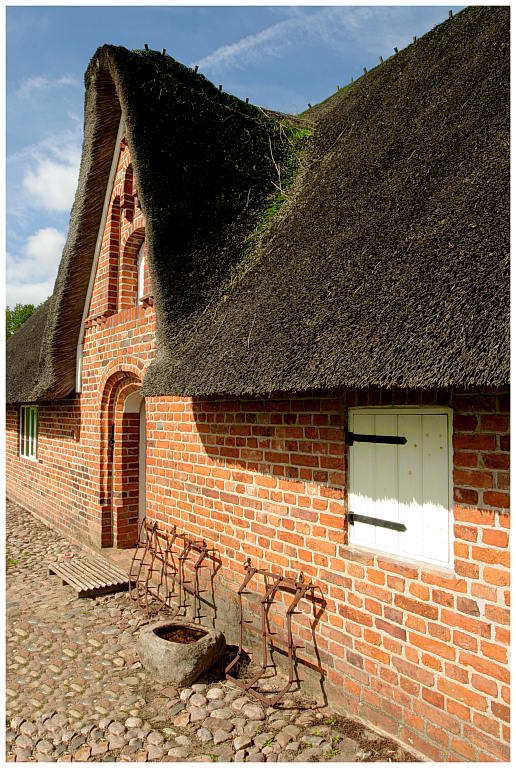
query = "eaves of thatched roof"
x=22 y=357
x=387 y=265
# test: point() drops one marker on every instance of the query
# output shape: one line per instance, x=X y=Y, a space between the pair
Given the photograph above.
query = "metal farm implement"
x=159 y=572
x=273 y=583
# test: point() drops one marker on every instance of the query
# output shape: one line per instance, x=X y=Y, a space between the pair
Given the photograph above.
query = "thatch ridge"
x=389 y=265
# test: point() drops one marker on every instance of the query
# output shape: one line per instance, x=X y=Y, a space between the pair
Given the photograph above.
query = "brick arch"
x=128 y=270
x=123 y=366
x=119 y=440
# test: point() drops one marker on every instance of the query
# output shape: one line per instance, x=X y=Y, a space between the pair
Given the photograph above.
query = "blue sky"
x=280 y=57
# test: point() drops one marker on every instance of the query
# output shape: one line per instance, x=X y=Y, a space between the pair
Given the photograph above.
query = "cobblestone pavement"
x=75 y=689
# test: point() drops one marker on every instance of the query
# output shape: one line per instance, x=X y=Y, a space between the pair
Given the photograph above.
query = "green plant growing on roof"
x=11 y=562
x=296 y=139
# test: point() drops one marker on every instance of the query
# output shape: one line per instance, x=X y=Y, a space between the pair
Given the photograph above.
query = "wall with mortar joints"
x=420 y=652
x=63 y=487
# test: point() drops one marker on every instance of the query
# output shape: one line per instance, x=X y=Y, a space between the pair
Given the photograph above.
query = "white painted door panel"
x=435 y=491
x=410 y=472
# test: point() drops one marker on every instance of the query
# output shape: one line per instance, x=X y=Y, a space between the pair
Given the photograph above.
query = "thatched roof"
x=23 y=349
x=388 y=263
x=204 y=166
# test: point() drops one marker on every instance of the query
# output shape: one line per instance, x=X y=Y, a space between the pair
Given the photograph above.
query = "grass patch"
x=334 y=749
x=11 y=562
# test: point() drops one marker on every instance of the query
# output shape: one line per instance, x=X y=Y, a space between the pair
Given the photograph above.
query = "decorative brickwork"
x=420 y=652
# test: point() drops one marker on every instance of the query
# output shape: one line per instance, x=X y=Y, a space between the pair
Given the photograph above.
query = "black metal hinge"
x=354 y=518
x=354 y=437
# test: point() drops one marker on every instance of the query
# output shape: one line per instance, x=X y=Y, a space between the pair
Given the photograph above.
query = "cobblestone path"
x=75 y=689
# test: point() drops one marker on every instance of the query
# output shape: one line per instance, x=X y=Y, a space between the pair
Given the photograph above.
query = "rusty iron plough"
x=159 y=568
x=273 y=583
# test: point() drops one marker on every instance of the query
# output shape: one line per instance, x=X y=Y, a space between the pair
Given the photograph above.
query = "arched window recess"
x=129 y=193
x=144 y=295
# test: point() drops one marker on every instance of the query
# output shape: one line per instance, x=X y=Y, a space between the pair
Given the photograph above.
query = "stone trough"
x=179 y=653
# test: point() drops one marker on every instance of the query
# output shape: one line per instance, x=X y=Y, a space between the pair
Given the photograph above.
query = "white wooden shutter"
x=408 y=484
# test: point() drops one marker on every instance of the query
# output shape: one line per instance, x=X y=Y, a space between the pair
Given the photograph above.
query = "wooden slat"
x=90 y=576
x=68 y=579
x=108 y=567
x=63 y=573
x=81 y=576
x=96 y=574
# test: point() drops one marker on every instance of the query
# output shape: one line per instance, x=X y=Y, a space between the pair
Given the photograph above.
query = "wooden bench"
x=90 y=576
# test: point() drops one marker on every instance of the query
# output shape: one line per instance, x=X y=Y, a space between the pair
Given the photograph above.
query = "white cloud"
x=337 y=27
x=41 y=83
x=33 y=293
x=45 y=247
x=325 y=26
x=31 y=276
x=53 y=183
x=246 y=48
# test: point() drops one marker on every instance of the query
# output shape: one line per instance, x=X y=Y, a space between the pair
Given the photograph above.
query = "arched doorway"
x=122 y=460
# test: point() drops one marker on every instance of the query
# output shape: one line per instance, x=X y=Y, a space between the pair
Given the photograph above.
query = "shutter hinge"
x=354 y=518
x=352 y=437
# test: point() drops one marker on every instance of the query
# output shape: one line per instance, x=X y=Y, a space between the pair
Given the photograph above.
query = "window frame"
x=28 y=442
x=140 y=274
x=407 y=411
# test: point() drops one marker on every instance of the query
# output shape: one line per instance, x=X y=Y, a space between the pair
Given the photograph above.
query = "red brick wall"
x=73 y=485
x=420 y=652
x=58 y=485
